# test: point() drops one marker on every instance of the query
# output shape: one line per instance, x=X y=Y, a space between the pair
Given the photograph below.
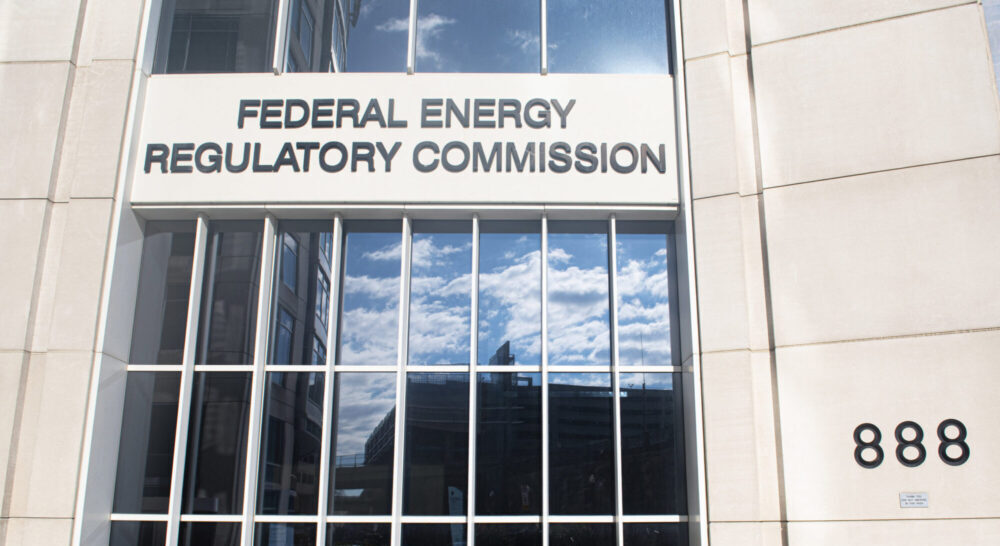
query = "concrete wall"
x=845 y=167
x=65 y=73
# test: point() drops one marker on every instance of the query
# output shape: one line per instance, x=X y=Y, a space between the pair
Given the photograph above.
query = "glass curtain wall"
x=407 y=383
x=478 y=36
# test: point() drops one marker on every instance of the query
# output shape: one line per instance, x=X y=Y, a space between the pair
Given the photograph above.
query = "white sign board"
x=913 y=500
x=394 y=138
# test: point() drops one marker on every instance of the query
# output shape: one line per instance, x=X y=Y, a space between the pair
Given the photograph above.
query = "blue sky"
x=625 y=36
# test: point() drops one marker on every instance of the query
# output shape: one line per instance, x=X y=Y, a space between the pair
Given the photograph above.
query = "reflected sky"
x=440 y=295
x=478 y=36
x=624 y=36
x=371 y=294
x=510 y=285
x=578 y=296
x=643 y=299
x=377 y=42
x=364 y=399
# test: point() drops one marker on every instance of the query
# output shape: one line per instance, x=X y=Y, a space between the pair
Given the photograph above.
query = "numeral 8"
x=957 y=441
x=863 y=445
x=915 y=442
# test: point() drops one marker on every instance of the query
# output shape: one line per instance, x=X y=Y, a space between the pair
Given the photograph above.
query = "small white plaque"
x=913 y=500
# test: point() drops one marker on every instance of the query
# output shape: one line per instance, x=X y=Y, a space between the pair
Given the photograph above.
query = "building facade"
x=359 y=272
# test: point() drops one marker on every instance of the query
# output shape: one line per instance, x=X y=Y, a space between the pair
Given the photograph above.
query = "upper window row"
x=624 y=36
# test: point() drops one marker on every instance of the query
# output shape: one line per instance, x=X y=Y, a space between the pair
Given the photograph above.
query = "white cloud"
x=523 y=39
x=429 y=28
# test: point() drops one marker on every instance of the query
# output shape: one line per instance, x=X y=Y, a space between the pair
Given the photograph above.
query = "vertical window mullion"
x=187 y=379
x=281 y=36
x=411 y=43
x=615 y=375
x=545 y=380
x=401 y=357
x=333 y=318
x=473 y=360
x=544 y=37
x=259 y=375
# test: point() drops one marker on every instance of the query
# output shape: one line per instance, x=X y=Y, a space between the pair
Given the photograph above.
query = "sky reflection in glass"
x=363 y=440
x=377 y=41
x=620 y=37
x=478 y=36
x=510 y=293
x=643 y=296
x=579 y=331
x=440 y=298
x=372 y=254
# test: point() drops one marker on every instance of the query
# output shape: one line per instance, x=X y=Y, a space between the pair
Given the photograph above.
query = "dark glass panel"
x=529 y=534
x=285 y=534
x=363 y=443
x=217 y=443
x=376 y=34
x=656 y=534
x=146 y=449
x=478 y=36
x=579 y=328
x=581 y=534
x=581 y=444
x=644 y=287
x=433 y=534
x=358 y=534
x=215 y=36
x=164 y=288
x=229 y=294
x=621 y=37
x=301 y=293
x=209 y=534
x=138 y=533
x=435 y=472
x=440 y=298
x=652 y=444
x=370 y=306
x=509 y=444
x=510 y=292
x=289 y=456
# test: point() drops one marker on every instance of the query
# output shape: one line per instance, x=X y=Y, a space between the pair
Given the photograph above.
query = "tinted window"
x=624 y=36
x=231 y=36
x=478 y=36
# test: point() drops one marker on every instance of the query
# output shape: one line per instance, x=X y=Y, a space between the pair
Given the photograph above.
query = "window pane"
x=376 y=35
x=209 y=534
x=433 y=534
x=652 y=444
x=164 y=287
x=357 y=534
x=289 y=456
x=216 y=451
x=510 y=293
x=508 y=535
x=370 y=312
x=625 y=36
x=302 y=297
x=285 y=534
x=656 y=534
x=991 y=10
x=579 y=331
x=478 y=36
x=581 y=444
x=581 y=534
x=437 y=439
x=440 y=293
x=232 y=36
x=136 y=533
x=509 y=444
x=229 y=303
x=643 y=294
x=146 y=450
x=362 y=443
